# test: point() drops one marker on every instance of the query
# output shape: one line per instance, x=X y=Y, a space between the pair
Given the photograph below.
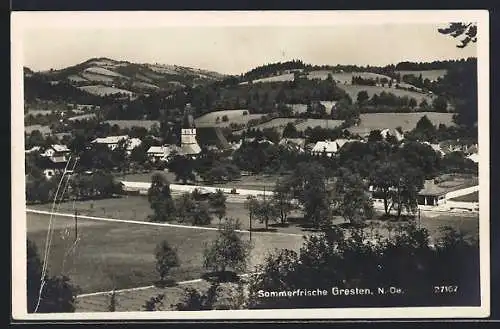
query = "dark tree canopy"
x=466 y=31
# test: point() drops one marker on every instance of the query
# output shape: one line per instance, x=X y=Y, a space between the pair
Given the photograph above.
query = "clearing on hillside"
x=234 y=116
x=277 y=78
x=407 y=121
x=148 y=124
x=428 y=74
x=76 y=78
x=92 y=77
x=353 y=91
x=346 y=77
x=103 y=71
x=311 y=123
x=102 y=90
x=278 y=123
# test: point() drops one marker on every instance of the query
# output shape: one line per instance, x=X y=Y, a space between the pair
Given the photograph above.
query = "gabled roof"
x=33 y=149
x=296 y=141
x=110 y=139
x=342 y=141
x=156 y=149
x=474 y=157
x=165 y=149
x=325 y=146
x=133 y=143
x=190 y=149
x=60 y=148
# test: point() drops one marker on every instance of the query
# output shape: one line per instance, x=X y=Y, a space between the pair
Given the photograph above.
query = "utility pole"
x=250 y=218
x=76 y=225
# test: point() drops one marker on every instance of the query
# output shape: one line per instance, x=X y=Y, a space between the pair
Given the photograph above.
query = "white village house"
x=57 y=153
x=162 y=153
x=293 y=144
x=112 y=142
x=330 y=148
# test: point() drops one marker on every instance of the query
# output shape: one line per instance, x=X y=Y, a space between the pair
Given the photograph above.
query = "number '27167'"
x=445 y=289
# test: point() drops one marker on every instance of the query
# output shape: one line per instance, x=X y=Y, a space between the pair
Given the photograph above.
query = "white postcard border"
x=25 y=20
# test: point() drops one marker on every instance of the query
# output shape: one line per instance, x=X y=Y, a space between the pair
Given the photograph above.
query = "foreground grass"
x=130 y=301
x=118 y=255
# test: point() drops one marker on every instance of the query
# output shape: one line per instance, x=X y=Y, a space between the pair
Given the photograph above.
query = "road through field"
x=71 y=216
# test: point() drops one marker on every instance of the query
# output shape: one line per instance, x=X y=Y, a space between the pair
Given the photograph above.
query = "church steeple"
x=188 y=120
x=189 y=144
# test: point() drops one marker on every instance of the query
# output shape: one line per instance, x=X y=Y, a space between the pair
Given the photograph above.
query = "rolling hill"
x=104 y=75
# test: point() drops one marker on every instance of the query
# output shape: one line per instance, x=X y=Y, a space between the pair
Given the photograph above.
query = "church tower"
x=189 y=145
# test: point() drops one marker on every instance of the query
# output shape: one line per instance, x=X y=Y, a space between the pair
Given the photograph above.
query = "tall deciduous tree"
x=160 y=199
x=308 y=184
x=185 y=206
x=362 y=97
x=352 y=200
x=262 y=210
x=182 y=167
x=383 y=180
x=282 y=200
x=410 y=182
x=217 y=202
x=228 y=250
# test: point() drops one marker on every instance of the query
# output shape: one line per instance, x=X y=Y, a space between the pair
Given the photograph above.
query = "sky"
x=237 y=49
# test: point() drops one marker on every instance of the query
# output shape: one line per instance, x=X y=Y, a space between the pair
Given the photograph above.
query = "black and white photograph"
x=250 y=165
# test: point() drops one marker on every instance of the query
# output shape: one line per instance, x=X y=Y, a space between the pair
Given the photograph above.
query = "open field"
x=148 y=124
x=93 y=77
x=407 y=121
x=144 y=85
x=278 y=123
x=103 y=71
x=234 y=116
x=38 y=112
x=427 y=74
x=346 y=77
x=319 y=74
x=40 y=128
x=120 y=255
x=353 y=91
x=311 y=123
x=472 y=197
x=145 y=177
x=277 y=78
x=76 y=78
x=102 y=90
x=83 y=117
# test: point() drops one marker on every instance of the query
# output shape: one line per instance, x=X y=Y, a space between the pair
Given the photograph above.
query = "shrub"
x=166 y=259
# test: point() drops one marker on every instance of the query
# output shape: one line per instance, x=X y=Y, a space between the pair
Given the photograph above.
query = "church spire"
x=188 y=120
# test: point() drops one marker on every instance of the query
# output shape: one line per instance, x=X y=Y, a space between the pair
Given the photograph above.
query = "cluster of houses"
x=55 y=157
